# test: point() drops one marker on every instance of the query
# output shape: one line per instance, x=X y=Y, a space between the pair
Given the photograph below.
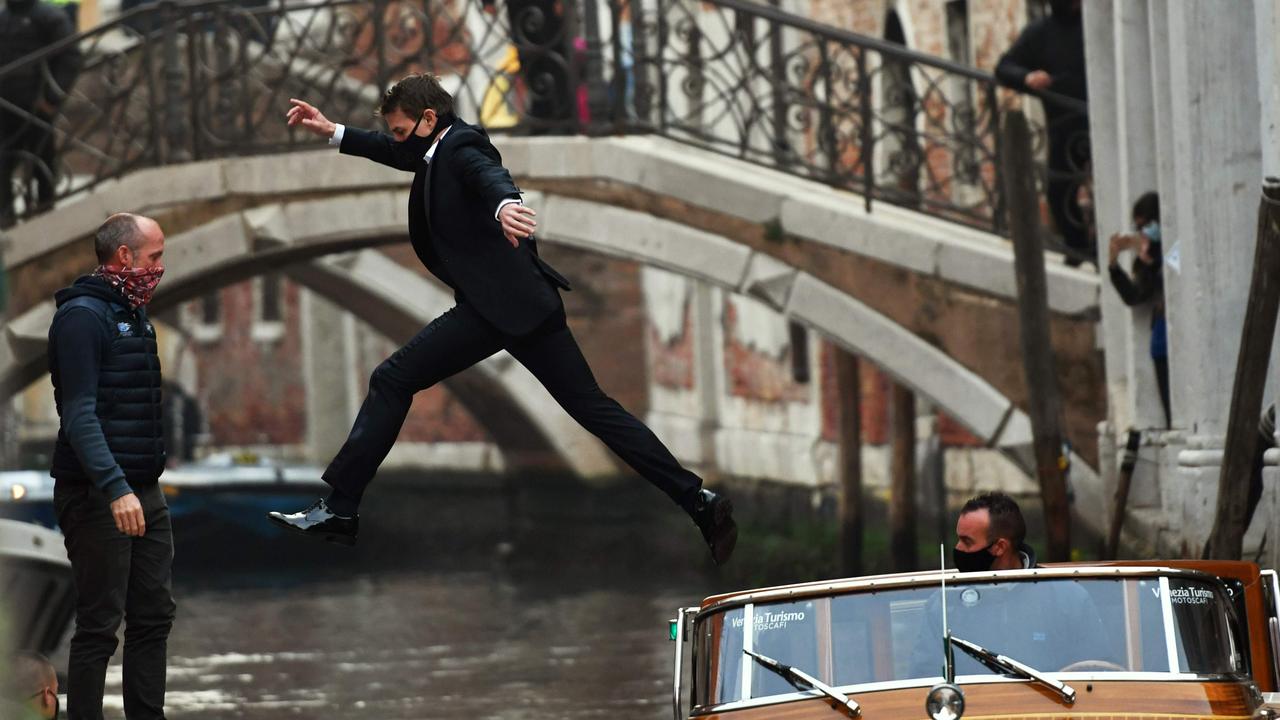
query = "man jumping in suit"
x=469 y=227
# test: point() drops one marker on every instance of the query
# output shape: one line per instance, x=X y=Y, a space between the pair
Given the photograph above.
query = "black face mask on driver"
x=411 y=149
x=974 y=560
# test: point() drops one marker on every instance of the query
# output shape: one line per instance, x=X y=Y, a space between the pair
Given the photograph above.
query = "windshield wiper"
x=998 y=662
x=798 y=678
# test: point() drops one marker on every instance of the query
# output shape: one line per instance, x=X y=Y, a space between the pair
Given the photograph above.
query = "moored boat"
x=37 y=592
x=1180 y=639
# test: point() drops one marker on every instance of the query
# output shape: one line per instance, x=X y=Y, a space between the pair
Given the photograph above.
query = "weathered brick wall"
x=993 y=26
x=670 y=353
x=756 y=371
x=606 y=313
x=865 y=16
x=251 y=391
x=875 y=387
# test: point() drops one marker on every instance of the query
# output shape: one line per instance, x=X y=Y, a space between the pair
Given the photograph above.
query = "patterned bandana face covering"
x=137 y=285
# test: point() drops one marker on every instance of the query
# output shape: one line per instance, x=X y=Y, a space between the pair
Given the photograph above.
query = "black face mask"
x=973 y=561
x=409 y=151
x=1064 y=10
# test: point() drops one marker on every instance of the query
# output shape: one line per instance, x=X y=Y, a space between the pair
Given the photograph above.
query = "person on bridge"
x=107 y=465
x=470 y=229
x=1144 y=283
x=34 y=92
x=1048 y=58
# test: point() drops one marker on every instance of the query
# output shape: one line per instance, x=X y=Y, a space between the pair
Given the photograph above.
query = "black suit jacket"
x=511 y=287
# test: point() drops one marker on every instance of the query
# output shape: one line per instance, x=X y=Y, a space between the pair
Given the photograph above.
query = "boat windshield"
x=1166 y=625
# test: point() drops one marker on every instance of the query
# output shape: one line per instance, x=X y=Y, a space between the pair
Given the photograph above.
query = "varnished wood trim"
x=1118 y=716
x=1225 y=700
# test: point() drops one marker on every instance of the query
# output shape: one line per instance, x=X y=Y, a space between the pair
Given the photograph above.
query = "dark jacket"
x=454 y=231
x=27 y=26
x=1045 y=625
x=106 y=386
x=1028 y=553
x=1145 y=284
x=1054 y=44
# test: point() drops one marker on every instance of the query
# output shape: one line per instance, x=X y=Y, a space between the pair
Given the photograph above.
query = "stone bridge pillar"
x=1122 y=117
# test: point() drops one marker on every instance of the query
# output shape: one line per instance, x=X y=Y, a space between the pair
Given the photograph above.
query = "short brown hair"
x=1005 y=517
x=416 y=93
x=119 y=229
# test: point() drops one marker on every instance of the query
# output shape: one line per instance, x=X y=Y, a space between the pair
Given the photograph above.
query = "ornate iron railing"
x=171 y=82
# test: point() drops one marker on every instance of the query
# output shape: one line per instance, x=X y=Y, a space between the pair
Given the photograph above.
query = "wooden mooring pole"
x=849 y=386
x=1044 y=403
x=902 y=468
x=1132 y=443
x=1226 y=539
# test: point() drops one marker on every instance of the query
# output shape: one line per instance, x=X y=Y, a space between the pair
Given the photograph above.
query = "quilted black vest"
x=129 y=403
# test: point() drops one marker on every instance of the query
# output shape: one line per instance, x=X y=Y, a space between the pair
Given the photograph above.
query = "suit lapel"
x=430 y=173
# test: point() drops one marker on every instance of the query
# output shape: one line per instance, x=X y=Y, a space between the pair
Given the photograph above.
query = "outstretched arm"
x=309 y=117
x=376 y=146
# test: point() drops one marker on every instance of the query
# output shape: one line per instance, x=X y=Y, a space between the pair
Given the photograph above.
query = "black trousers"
x=1068 y=165
x=117 y=577
x=1162 y=384
x=461 y=338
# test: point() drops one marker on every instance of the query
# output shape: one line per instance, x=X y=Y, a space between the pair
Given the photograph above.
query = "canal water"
x=472 y=598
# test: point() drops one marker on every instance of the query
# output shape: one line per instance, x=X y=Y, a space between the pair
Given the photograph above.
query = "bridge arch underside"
x=941 y=322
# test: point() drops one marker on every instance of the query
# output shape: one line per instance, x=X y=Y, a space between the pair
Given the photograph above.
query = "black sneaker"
x=319 y=521
x=713 y=514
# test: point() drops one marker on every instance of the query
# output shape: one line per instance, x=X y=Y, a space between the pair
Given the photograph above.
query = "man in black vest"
x=107 y=462
x=469 y=228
